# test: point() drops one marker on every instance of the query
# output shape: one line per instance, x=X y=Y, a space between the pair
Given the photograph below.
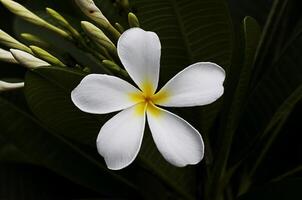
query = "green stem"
x=289 y=173
x=271 y=28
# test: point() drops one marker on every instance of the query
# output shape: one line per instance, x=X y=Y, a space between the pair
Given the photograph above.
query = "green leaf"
x=231 y=117
x=272 y=38
x=257 y=9
x=274 y=126
x=251 y=38
x=10 y=153
x=57 y=154
x=48 y=93
x=272 y=100
x=281 y=190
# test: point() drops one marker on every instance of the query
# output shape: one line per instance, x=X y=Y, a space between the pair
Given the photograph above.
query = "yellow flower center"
x=147 y=100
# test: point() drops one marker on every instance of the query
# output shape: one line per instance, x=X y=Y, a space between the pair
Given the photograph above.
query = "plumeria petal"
x=199 y=84
x=178 y=142
x=139 y=52
x=120 y=138
x=101 y=94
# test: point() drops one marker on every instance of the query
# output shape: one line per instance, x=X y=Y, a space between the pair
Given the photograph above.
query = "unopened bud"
x=62 y=21
x=6 y=56
x=133 y=20
x=41 y=53
x=89 y=8
x=5 y=86
x=114 y=67
x=28 y=60
x=10 y=42
x=119 y=27
x=29 y=16
x=98 y=36
x=34 y=40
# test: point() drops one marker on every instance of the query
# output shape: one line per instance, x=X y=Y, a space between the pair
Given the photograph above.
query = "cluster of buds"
x=98 y=39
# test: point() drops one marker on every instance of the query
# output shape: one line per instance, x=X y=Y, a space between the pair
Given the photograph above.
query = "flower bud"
x=89 y=8
x=62 y=21
x=5 y=86
x=119 y=27
x=29 y=16
x=114 y=67
x=93 y=12
x=28 y=60
x=133 y=20
x=10 y=42
x=6 y=56
x=34 y=40
x=41 y=53
x=98 y=36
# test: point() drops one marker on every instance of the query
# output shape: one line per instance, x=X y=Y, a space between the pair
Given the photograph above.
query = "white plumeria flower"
x=121 y=137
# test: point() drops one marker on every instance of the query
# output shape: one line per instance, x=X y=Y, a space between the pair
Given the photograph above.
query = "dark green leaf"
x=272 y=99
x=251 y=39
x=9 y=152
x=251 y=31
x=57 y=154
x=272 y=38
x=48 y=93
